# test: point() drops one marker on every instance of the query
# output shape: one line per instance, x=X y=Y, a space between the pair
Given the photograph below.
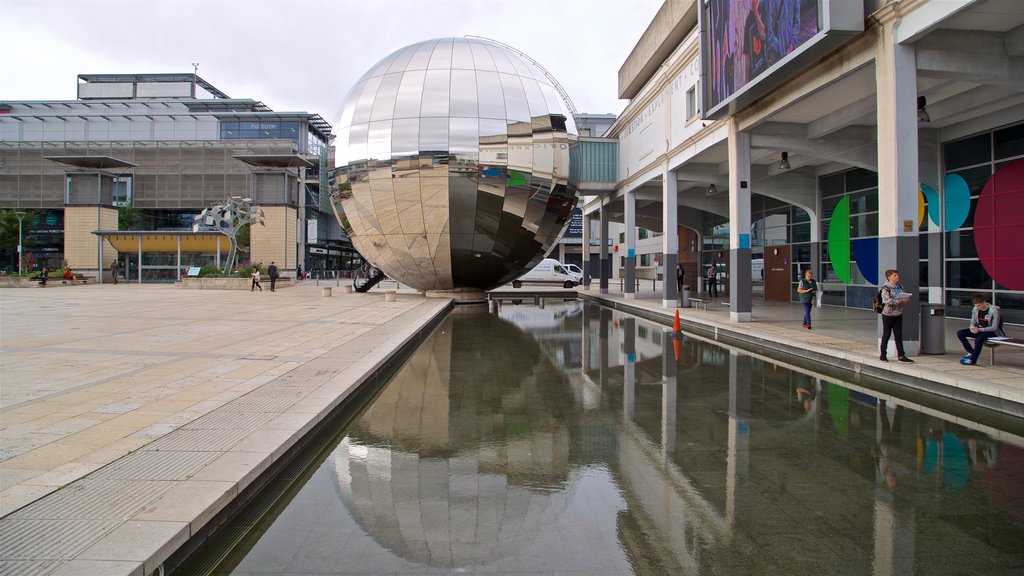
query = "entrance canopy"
x=165 y=241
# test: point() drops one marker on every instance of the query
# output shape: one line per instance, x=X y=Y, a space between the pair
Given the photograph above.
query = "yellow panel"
x=156 y=242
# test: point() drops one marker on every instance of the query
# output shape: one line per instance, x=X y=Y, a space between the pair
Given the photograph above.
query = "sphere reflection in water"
x=453 y=165
x=449 y=472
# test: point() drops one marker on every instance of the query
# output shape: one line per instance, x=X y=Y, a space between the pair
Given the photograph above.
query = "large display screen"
x=748 y=41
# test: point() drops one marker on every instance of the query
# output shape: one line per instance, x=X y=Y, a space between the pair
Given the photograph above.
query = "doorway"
x=777 y=284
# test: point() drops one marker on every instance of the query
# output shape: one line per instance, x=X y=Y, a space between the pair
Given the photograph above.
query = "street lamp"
x=21 y=215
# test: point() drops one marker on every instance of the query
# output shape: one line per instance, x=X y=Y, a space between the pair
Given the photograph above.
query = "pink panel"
x=999 y=226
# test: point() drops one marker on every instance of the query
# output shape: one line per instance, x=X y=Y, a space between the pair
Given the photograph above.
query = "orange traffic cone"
x=675 y=323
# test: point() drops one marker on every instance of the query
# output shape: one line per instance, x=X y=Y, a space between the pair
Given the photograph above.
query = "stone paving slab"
x=130 y=415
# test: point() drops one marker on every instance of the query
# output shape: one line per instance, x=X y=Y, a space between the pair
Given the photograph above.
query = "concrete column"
x=930 y=172
x=177 y=270
x=140 y=258
x=602 y=235
x=629 y=287
x=586 y=253
x=670 y=238
x=603 y=344
x=898 y=181
x=740 y=287
x=628 y=366
x=738 y=454
x=669 y=383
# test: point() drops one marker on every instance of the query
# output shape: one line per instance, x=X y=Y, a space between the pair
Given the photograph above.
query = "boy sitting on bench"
x=984 y=325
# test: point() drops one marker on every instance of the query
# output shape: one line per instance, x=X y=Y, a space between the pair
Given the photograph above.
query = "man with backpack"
x=985 y=324
x=893 y=298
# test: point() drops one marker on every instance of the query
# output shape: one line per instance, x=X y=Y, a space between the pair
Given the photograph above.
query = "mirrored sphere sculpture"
x=453 y=164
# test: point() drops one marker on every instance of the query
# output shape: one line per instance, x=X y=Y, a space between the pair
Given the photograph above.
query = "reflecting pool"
x=566 y=438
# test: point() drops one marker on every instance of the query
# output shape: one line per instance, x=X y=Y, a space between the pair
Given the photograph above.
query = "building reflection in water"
x=568 y=437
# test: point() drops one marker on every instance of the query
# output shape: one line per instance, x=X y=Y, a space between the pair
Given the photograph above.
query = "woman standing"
x=256 y=279
x=808 y=290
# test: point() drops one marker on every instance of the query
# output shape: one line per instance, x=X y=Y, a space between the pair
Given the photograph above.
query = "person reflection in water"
x=891 y=465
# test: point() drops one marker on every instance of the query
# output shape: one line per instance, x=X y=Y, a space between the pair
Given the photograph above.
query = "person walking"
x=713 y=281
x=808 y=291
x=44 y=275
x=113 y=270
x=298 y=272
x=984 y=325
x=893 y=299
x=256 y=279
x=272 y=270
x=680 y=276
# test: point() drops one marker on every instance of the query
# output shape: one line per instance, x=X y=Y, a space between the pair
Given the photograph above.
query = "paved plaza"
x=131 y=414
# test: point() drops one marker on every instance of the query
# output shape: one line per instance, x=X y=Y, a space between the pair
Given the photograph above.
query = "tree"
x=128 y=217
x=9 y=227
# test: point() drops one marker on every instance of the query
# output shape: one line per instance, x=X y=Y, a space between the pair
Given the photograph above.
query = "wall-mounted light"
x=784 y=164
x=922 y=110
x=712 y=190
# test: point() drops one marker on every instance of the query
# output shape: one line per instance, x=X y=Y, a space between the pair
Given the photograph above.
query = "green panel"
x=839 y=409
x=839 y=240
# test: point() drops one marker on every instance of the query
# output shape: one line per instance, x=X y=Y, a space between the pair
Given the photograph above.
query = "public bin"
x=933 y=329
x=685 y=298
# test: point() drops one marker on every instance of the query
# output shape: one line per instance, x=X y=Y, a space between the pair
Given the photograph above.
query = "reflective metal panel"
x=456 y=152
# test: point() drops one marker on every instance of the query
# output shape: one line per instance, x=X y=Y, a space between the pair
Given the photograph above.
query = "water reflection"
x=569 y=438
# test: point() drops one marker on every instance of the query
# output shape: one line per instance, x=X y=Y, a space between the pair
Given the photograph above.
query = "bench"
x=993 y=344
x=79 y=278
x=700 y=301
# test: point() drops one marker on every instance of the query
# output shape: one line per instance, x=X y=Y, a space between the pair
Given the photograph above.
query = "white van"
x=550 y=271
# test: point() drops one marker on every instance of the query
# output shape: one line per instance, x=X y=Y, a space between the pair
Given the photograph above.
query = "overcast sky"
x=304 y=55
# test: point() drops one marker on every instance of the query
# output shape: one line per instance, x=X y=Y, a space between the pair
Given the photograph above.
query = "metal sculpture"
x=229 y=218
x=453 y=165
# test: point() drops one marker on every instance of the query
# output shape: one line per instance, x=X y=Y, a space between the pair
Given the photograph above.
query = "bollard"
x=347 y=289
x=390 y=296
x=325 y=291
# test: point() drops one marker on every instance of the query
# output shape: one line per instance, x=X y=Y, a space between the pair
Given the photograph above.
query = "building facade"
x=897 y=141
x=158 y=148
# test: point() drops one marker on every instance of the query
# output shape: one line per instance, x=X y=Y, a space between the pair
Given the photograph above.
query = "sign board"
x=193 y=271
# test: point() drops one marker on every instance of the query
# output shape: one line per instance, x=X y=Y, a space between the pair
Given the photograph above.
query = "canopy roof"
x=165 y=240
x=94 y=162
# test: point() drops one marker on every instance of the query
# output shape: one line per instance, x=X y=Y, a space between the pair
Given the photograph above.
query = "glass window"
x=643 y=233
x=864 y=226
x=691 y=102
x=967 y=274
x=968 y=152
x=1009 y=142
x=859 y=179
x=801 y=232
x=828 y=205
x=645 y=259
x=833 y=185
x=229 y=130
x=960 y=244
x=864 y=201
x=622 y=237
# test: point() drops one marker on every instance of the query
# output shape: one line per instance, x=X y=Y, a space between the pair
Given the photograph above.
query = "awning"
x=275 y=160
x=165 y=241
x=94 y=162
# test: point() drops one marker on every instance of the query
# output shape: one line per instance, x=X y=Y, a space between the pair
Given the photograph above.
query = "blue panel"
x=933 y=202
x=632 y=253
x=744 y=240
x=958 y=201
x=865 y=253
